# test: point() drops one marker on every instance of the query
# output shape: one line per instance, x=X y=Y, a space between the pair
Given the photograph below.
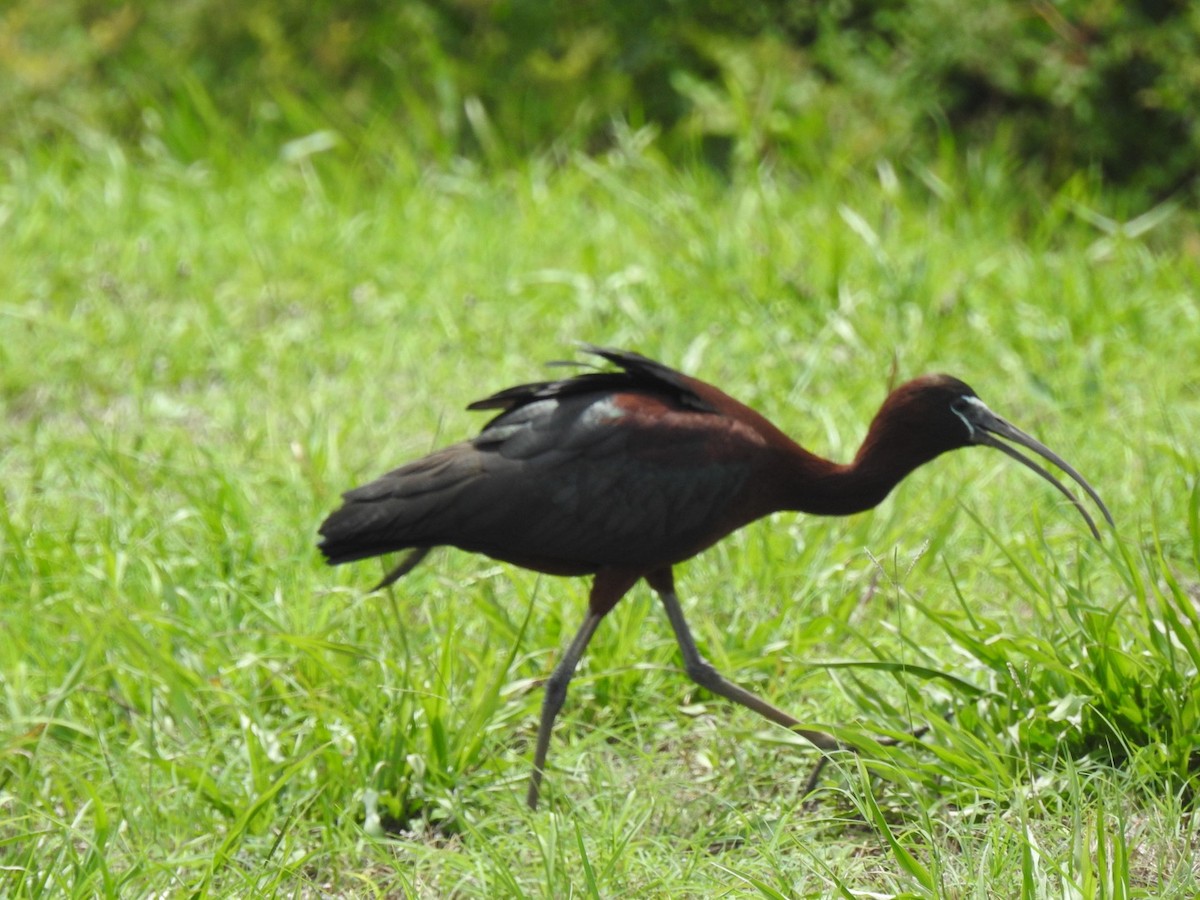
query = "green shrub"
x=1070 y=85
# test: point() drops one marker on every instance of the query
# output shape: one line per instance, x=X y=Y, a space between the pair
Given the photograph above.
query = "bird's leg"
x=702 y=672
x=409 y=563
x=552 y=701
x=609 y=586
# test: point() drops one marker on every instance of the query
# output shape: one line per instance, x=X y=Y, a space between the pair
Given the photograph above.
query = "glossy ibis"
x=622 y=474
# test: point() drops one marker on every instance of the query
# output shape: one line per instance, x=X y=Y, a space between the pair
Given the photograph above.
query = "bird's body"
x=621 y=475
x=634 y=469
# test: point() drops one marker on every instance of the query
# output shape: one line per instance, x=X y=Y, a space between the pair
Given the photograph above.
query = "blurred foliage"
x=1067 y=84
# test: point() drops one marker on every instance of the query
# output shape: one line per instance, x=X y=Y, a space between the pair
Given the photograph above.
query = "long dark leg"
x=702 y=672
x=608 y=587
x=409 y=563
x=556 y=692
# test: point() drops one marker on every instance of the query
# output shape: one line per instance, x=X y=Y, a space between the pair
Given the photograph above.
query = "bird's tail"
x=354 y=532
x=398 y=511
x=347 y=536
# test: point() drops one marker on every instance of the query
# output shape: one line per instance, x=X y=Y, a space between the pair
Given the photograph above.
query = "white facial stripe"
x=974 y=401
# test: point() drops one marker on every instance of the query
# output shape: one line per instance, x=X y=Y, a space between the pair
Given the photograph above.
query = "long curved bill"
x=984 y=423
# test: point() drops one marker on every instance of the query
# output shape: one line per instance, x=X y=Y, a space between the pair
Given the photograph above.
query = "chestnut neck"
x=821 y=487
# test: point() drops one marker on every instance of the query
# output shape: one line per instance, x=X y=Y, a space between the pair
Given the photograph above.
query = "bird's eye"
x=962 y=408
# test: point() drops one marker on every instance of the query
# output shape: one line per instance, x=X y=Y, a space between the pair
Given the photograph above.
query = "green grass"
x=194 y=363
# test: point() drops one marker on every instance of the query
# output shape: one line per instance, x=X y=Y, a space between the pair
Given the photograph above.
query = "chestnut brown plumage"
x=622 y=474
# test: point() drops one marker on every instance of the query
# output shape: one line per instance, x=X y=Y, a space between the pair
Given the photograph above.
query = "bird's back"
x=629 y=468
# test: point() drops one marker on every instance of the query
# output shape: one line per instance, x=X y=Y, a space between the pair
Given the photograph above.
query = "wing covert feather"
x=620 y=468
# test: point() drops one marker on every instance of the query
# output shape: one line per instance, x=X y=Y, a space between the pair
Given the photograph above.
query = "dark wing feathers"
x=637 y=373
x=384 y=515
x=560 y=480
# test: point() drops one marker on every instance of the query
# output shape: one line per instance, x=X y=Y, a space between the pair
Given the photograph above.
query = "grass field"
x=195 y=362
